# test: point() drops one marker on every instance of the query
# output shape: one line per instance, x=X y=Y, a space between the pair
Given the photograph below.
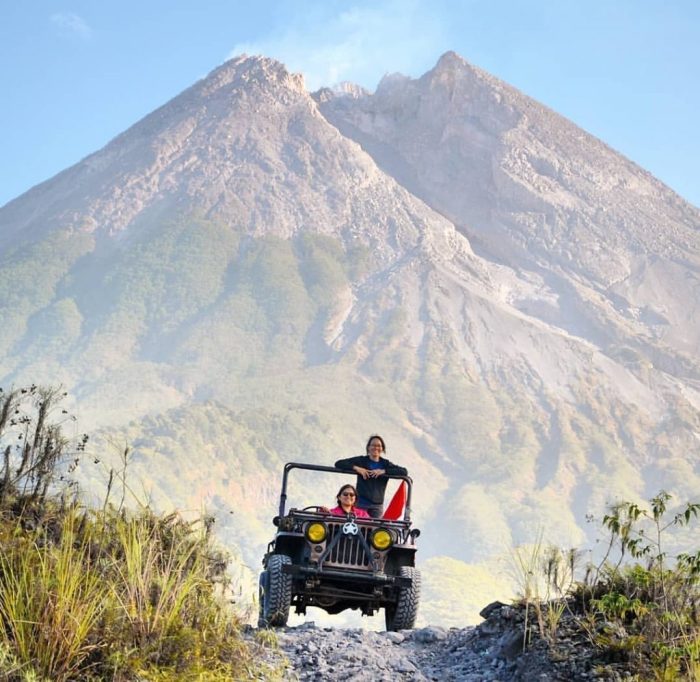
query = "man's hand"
x=361 y=471
x=368 y=473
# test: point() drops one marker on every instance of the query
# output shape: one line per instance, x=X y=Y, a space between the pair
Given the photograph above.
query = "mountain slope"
x=531 y=189
x=251 y=274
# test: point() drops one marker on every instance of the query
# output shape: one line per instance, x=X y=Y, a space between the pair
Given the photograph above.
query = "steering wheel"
x=313 y=507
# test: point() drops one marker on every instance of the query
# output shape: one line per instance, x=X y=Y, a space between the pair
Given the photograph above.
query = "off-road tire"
x=275 y=592
x=402 y=615
x=262 y=587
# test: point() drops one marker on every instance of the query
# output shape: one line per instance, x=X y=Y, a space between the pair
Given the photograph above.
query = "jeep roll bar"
x=319 y=467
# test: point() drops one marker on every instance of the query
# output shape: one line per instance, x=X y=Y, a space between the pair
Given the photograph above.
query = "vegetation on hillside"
x=30 y=275
x=193 y=336
x=638 y=605
x=104 y=593
x=192 y=310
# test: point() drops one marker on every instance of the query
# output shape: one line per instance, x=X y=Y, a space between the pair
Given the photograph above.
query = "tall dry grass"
x=109 y=593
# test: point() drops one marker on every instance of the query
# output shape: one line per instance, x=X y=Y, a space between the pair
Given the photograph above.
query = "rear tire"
x=402 y=615
x=275 y=592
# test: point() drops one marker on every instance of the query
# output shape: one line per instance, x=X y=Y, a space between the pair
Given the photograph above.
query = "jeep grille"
x=348 y=552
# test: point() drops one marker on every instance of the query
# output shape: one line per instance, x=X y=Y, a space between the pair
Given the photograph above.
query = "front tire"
x=275 y=592
x=402 y=615
x=262 y=588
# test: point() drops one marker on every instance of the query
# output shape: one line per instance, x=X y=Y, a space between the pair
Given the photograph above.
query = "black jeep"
x=339 y=562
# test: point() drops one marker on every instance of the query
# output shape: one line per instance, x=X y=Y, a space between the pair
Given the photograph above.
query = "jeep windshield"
x=302 y=491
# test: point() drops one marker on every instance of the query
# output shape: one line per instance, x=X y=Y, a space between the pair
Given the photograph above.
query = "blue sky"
x=75 y=73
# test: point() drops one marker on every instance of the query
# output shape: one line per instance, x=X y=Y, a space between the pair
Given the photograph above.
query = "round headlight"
x=316 y=532
x=381 y=539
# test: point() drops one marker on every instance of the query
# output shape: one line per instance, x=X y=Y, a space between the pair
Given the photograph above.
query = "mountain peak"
x=451 y=60
x=183 y=153
x=451 y=68
x=253 y=69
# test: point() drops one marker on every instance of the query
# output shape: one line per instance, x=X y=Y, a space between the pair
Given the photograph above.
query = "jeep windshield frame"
x=333 y=470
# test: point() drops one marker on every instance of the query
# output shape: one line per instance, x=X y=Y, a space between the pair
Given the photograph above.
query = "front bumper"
x=334 y=574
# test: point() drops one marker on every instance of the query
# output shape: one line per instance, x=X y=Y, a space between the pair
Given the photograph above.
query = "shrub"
x=655 y=603
x=638 y=605
x=33 y=446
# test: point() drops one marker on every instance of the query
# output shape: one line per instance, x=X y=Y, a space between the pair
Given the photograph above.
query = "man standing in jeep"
x=372 y=470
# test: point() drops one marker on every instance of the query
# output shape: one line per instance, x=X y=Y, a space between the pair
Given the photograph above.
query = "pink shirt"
x=359 y=513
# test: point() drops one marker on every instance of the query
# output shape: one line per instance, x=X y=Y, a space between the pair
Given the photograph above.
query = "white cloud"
x=72 y=24
x=359 y=44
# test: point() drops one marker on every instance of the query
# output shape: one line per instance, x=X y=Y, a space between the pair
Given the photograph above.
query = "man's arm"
x=394 y=469
x=349 y=463
x=355 y=464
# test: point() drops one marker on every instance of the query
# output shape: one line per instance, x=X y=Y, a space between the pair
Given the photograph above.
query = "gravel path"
x=489 y=652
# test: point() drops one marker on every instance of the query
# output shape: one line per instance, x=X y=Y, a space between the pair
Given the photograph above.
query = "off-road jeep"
x=339 y=562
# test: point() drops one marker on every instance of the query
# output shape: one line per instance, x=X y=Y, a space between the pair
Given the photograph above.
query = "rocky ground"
x=492 y=651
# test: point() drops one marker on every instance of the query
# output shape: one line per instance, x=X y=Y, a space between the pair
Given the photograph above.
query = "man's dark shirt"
x=371 y=490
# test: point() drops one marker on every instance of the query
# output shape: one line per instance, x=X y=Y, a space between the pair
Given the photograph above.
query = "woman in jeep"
x=346 y=498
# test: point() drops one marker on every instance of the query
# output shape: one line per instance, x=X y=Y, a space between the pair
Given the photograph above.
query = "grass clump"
x=544 y=576
x=108 y=593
